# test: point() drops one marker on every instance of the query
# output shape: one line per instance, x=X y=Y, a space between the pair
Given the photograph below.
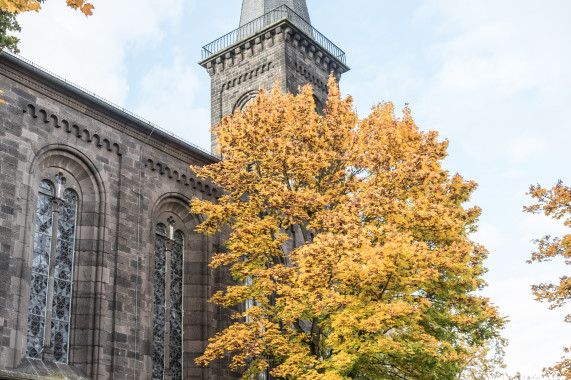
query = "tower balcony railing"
x=282 y=12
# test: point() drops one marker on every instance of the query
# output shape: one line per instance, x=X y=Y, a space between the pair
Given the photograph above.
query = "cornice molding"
x=184 y=177
x=122 y=123
x=78 y=131
x=269 y=37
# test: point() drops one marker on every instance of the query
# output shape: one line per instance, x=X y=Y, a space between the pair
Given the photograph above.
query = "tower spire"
x=252 y=9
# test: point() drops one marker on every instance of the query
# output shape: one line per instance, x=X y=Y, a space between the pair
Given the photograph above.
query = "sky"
x=492 y=77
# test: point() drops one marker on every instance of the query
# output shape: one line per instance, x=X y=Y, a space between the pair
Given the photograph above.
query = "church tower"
x=275 y=39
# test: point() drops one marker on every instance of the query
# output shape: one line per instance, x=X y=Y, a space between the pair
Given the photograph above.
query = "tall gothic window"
x=52 y=272
x=167 y=317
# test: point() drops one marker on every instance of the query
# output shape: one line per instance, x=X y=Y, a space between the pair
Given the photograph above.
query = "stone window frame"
x=200 y=318
x=86 y=324
x=60 y=182
x=172 y=226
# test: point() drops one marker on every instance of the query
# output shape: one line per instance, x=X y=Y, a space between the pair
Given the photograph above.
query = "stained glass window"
x=159 y=303
x=176 y=307
x=61 y=305
x=172 y=311
x=61 y=273
x=40 y=271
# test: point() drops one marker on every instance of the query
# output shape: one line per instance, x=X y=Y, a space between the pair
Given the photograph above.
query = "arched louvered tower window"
x=167 y=316
x=52 y=272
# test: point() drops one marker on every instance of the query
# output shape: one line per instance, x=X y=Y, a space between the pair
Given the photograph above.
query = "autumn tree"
x=382 y=282
x=556 y=203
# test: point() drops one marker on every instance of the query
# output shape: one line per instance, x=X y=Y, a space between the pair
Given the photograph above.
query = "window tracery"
x=159 y=303
x=52 y=272
x=40 y=270
x=176 y=306
x=167 y=316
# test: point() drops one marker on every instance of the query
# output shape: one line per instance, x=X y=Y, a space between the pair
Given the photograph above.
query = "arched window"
x=167 y=316
x=318 y=105
x=244 y=100
x=52 y=272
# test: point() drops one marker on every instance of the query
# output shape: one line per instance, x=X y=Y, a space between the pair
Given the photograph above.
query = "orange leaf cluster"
x=85 y=7
x=380 y=281
x=18 y=6
x=561 y=369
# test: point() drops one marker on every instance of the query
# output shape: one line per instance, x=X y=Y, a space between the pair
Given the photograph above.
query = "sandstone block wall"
x=128 y=178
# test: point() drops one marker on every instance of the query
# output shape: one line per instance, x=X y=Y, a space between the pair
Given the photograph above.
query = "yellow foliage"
x=561 y=369
x=381 y=283
x=17 y=6
x=554 y=202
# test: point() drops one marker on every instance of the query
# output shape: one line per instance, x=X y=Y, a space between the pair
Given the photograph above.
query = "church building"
x=102 y=275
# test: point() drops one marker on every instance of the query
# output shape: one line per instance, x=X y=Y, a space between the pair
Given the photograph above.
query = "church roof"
x=81 y=94
x=252 y=9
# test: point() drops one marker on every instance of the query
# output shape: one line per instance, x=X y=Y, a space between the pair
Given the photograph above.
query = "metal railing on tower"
x=280 y=13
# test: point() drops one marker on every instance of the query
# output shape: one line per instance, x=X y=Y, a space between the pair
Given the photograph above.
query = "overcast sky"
x=492 y=77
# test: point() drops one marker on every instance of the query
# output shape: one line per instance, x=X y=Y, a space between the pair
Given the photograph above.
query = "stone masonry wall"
x=112 y=161
x=239 y=73
x=281 y=52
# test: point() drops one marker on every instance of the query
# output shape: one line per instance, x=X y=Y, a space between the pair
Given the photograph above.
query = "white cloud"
x=534 y=226
x=91 y=51
x=536 y=334
x=524 y=147
x=501 y=71
x=532 y=329
x=489 y=236
x=167 y=96
x=499 y=90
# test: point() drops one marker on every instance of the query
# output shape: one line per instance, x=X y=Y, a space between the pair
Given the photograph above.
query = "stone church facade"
x=102 y=275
